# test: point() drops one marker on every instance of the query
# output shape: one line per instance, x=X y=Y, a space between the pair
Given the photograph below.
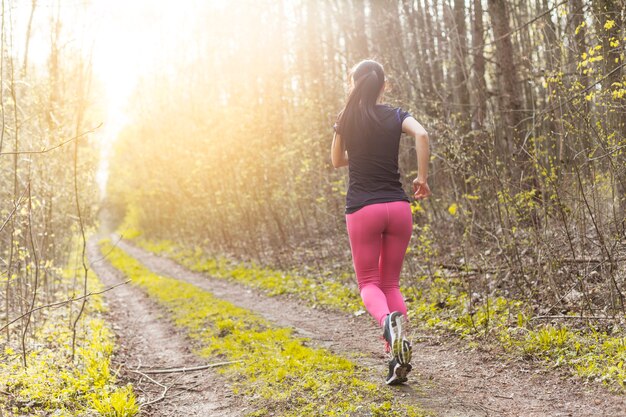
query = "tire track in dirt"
x=447 y=380
x=146 y=340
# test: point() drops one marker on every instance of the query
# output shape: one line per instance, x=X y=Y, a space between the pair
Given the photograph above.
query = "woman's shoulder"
x=388 y=110
x=385 y=107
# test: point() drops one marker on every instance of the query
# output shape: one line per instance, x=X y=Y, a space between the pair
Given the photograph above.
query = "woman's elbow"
x=422 y=135
x=339 y=162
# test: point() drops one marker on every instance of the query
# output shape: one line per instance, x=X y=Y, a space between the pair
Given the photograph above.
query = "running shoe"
x=392 y=332
x=397 y=372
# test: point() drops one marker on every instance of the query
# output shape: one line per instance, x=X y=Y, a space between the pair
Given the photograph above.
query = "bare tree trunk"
x=459 y=53
x=7 y=294
x=440 y=53
x=13 y=92
x=614 y=10
x=426 y=42
x=480 y=85
x=510 y=92
x=28 y=29
x=423 y=80
x=2 y=42
x=79 y=122
x=359 y=40
x=35 y=259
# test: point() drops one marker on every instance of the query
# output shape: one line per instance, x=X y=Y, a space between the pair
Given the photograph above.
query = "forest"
x=173 y=234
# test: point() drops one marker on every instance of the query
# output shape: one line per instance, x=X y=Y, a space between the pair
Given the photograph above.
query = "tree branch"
x=45 y=150
x=17 y=205
x=60 y=303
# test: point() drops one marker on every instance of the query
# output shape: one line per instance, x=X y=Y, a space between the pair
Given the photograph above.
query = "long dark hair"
x=358 y=115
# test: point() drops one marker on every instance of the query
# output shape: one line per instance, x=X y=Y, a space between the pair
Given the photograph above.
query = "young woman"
x=378 y=212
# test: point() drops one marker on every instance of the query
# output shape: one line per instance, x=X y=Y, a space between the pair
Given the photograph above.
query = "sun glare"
x=130 y=40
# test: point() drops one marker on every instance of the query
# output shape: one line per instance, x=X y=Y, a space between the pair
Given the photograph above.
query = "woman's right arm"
x=338 y=153
x=412 y=127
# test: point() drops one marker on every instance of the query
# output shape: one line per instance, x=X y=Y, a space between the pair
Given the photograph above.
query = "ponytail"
x=358 y=116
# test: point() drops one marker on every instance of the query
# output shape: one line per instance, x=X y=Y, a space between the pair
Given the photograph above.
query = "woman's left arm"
x=338 y=153
x=422 y=142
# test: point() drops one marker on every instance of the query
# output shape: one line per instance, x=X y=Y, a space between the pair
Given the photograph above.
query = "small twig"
x=589 y=260
x=154 y=381
x=166 y=388
x=117 y=371
x=8 y=394
x=193 y=388
x=608 y=153
x=190 y=369
x=45 y=150
x=425 y=337
x=60 y=303
x=17 y=205
x=476 y=269
x=503 y=396
x=563 y=316
x=466 y=268
x=106 y=255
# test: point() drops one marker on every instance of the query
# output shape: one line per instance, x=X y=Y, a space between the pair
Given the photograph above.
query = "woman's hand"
x=421 y=189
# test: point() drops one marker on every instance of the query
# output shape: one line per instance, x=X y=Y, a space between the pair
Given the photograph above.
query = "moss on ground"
x=320 y=292
x=278 y=373
x=593 y=354
x=441 y=304
x=53 y=385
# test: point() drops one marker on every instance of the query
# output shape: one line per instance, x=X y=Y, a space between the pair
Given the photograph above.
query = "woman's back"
x=373 y=164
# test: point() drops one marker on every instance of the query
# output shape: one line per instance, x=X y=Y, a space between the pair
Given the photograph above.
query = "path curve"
x=446 y=379
x=145 y=339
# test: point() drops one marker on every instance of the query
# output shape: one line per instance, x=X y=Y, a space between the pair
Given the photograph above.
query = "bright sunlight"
x=296 y=208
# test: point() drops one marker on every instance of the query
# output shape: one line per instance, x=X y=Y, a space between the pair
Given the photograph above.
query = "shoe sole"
x=400 y=347
x=407 y=351
x=396 y=332
x=400 y=374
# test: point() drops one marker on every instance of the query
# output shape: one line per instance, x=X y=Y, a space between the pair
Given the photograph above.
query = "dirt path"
x=446 y=379
x=145 y=340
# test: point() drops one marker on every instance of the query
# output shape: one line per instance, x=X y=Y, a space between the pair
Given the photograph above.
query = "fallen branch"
x=193 y=388
x=60 y=303
x=477 y=269
x=590 y=260
x=425 y=337
x=166 y=388
x=466 y=268
x=563 y=316
x=189 y=369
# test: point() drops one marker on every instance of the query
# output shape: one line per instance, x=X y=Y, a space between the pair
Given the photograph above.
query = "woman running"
x=378 y=212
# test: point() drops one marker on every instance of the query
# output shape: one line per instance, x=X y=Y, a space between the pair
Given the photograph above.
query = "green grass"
x=278 y=374
x=440 y=304
x=592 y=354
x=53 y=385
x=322 y=292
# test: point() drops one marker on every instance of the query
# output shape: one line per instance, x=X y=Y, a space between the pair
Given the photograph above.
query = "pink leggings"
x=379 y=235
